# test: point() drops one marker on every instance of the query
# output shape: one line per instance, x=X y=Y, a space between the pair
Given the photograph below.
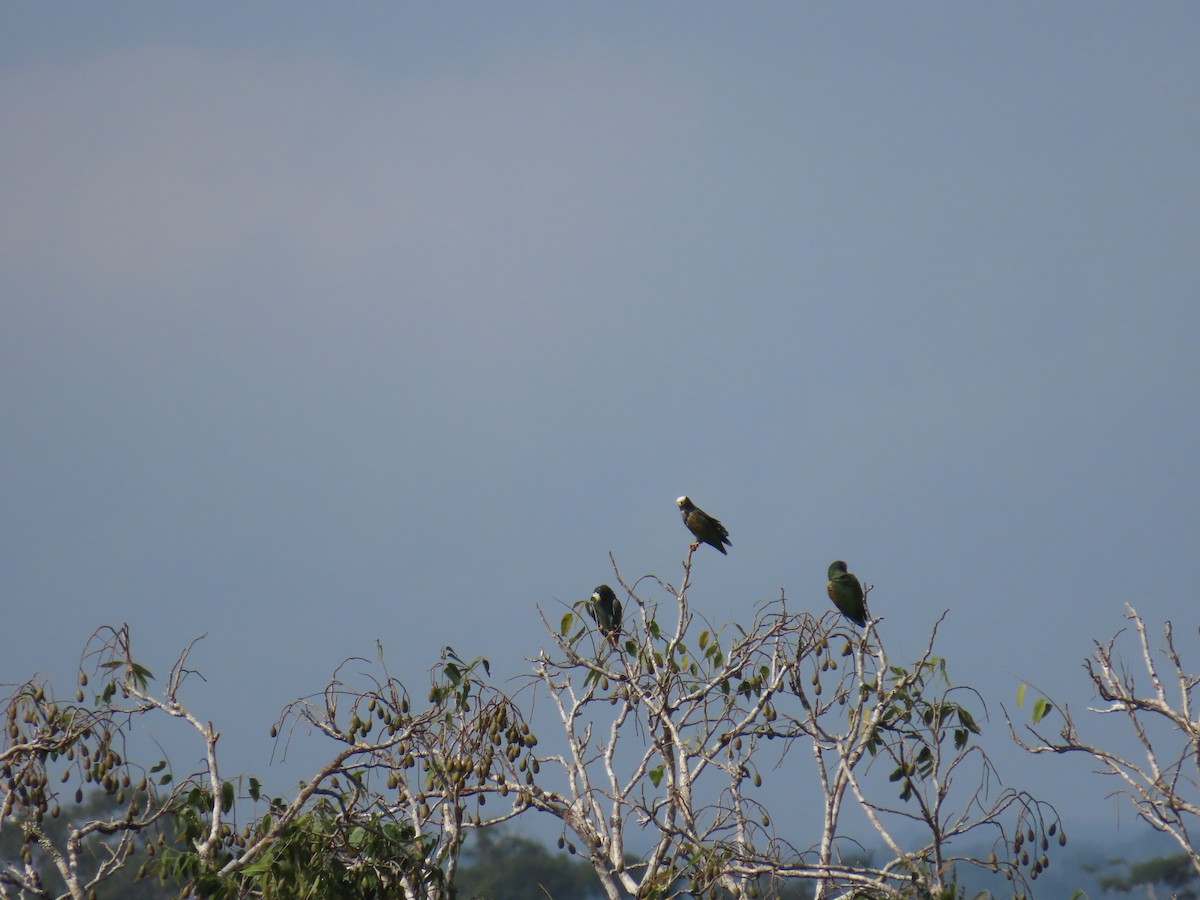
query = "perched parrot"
x=706 y=529
x=846 y=593
x=605 y=608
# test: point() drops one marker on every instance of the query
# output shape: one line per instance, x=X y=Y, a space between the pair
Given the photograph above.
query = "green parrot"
x=605 y=609
x=846 y=593
x=706 y=529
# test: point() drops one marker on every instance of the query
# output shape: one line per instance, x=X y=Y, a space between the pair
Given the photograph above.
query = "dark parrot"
x=706 y=529
x=605 y=608
x=846 y=593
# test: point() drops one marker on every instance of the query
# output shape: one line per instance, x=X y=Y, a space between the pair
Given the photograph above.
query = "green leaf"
x=255 y=789
x=1041 y=706
x=227 y=796
x=656 y=774
x=1021 y=694
x=703 y=639
x=258 y=866
x=967 y=721
x=961 y=735
x=565 y=625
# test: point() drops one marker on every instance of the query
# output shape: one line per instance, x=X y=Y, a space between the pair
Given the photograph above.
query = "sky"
x=326 y=324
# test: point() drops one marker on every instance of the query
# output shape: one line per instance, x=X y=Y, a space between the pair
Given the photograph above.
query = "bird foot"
x=694 y=546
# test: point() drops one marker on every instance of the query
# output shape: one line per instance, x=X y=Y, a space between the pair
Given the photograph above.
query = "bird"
x=846 y=593
x=605 y=609
x=706 y=529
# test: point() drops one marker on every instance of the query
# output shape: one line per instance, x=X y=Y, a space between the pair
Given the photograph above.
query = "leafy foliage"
x=499 y=865
x=320 y=853
x=1175 y=873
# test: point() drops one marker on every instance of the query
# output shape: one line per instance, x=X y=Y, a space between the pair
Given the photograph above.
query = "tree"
x=667 y=742
x=51 y=742
x=699 y=707
x=1163 y=785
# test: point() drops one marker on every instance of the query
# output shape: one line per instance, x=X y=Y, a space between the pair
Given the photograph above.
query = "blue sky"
x=322 y=325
